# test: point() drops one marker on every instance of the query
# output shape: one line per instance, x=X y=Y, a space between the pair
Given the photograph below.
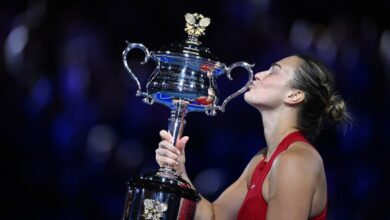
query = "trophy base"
x=156 y=195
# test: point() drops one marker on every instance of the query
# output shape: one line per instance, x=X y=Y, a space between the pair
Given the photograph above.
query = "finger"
x=181 y=144
x=161 y=160
x=166 y=136
x=166 y=145
x=166 y=153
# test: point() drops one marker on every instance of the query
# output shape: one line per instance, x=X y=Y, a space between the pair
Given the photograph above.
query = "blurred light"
x=326 y=46
x=384 y=47
x=75 y=74
x=100 y=142
x=130 y=154
x=301 y=35
x=75 y=83
x=40 y=95
x=210 y=181
x=16 y=41
x=13 y=48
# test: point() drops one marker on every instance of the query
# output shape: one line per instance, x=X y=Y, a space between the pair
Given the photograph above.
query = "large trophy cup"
x=185 y=81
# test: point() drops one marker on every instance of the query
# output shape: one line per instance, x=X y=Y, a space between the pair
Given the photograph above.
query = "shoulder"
x=295 y=178
x=299 y=160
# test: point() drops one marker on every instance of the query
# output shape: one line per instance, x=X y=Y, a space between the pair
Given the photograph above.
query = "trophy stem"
x=177 y=120
x=175 y=128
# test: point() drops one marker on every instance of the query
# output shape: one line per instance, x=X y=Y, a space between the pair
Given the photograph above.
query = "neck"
x=277 y=124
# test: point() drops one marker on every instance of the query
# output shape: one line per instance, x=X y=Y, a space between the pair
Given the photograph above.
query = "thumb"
x=165 y=135
x=181 y=144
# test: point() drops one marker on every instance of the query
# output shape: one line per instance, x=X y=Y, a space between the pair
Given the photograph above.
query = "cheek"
x=275 y=87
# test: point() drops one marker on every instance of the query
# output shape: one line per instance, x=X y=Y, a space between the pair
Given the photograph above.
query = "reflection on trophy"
x=185 y=81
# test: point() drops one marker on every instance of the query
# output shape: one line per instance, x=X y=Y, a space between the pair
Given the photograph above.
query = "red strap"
x=295 y=136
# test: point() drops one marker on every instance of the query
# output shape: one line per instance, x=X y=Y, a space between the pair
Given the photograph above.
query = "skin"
x=295 y=187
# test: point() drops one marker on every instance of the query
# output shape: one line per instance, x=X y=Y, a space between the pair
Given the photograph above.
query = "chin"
x=253 y=99
x=249 y=98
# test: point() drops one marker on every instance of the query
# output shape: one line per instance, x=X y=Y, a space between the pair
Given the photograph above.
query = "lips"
x=252 y=84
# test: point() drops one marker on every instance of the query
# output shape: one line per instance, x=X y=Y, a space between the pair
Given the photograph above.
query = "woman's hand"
x=166 y=153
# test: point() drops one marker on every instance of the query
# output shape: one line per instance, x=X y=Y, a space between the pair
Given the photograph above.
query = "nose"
x=260 y=75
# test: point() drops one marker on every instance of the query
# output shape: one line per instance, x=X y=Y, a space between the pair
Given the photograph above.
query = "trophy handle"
x=148 y=99
x=248 y=67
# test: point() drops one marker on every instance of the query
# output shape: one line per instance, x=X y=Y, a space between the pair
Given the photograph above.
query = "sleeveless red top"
x=254 y=205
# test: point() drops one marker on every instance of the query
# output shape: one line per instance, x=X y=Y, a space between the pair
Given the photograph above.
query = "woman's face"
x=270 y=87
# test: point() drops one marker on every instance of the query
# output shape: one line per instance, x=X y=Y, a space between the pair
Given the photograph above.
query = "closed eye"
x=274 y=68
x=271 y=70
x=276 y=65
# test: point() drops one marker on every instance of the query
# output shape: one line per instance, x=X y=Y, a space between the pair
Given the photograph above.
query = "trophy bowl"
x=184 y=80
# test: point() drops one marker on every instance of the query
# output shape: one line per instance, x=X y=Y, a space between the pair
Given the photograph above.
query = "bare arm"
x=229 y=202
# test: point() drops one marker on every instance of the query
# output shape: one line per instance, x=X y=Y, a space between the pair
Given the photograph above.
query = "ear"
x=294 y=97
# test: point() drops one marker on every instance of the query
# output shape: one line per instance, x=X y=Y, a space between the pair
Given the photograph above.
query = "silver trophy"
x=184 y=80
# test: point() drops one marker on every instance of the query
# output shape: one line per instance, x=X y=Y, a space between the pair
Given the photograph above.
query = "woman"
x=286 y=180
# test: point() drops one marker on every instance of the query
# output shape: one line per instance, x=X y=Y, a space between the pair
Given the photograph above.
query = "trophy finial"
x=196 y=24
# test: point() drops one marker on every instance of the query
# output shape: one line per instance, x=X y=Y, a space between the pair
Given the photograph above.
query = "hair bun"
x=337 y=109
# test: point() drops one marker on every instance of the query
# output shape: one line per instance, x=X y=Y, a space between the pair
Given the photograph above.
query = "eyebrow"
x=276 y=64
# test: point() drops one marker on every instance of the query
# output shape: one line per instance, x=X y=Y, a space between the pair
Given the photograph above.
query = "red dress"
x=254 y=205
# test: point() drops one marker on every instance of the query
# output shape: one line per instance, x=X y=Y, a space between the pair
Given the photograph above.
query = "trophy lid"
x=187 y=49
x=191 y=47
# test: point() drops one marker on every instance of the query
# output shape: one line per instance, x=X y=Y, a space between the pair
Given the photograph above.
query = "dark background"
x=73 y=131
